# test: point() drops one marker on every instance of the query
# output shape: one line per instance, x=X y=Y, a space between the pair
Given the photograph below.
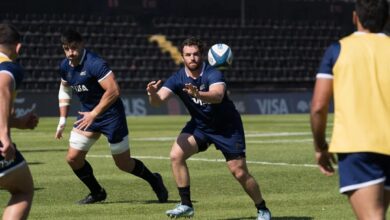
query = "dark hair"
x=193 y=41
x=372 y=14
x=9 y=34
x=71 y=36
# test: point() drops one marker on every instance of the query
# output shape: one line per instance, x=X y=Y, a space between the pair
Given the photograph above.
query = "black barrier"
x=245 y=9
x=46 y=104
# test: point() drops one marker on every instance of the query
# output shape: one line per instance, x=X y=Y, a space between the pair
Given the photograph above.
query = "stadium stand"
x=268 y=53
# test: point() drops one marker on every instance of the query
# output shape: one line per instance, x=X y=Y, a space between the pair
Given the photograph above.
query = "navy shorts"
x=359 y=170
x=231 y=142
x=113 y=126
x=9 y=166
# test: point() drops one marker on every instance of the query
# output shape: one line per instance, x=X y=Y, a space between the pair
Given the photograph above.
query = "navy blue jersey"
x=209 y=117
x=17 y=73
x=329 y=59
x=14 y=70
x=84 y=79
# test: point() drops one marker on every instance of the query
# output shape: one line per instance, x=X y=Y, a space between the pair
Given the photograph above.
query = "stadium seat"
x=265 y=50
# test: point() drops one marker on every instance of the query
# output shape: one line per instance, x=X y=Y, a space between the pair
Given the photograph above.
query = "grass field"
x=279 y=154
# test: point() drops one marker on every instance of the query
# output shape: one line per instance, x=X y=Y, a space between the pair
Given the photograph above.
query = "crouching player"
x=102 y=112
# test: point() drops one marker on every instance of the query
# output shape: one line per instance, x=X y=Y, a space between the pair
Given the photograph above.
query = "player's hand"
x=191 y=90
x=28 y=121
x=153 y=86
x=60 y=128
x=324 y=160
x=86 y=121
x=7 y=149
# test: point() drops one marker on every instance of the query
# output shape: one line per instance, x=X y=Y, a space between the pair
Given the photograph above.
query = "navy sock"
x=85 y=174
x=140 y=170
x=261 y=205
x=185 y=195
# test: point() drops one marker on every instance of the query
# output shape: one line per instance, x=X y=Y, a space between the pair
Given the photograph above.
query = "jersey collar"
x=362 y=33
x=201 y=73
x=82 y=58
x=4 y=55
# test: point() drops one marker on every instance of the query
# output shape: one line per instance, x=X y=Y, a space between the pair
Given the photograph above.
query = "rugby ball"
x=220 y=55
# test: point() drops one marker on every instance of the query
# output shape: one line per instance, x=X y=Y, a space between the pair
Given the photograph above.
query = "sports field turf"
x=279 y=154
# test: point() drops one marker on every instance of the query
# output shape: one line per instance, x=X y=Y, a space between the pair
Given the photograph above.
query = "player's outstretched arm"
x=156 y=95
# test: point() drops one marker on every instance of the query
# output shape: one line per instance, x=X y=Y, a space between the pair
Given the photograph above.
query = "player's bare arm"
x=214 y=95
x=110 y=95
x=323 y=91
x=7 y=149
x=64 y=95
x=64 y=98
x=157 y=96
x=319 y=111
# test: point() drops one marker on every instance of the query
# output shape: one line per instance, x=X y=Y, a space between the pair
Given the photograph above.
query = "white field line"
x=215 y=161
x=279 y=134
x=280 y=141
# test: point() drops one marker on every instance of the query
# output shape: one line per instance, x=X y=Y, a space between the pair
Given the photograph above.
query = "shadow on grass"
x=274 y=218
x=38 y=188
x=292 y=218
x=35 y=189
x=35 y=163
x=144 y=202
x=241 y=218
x=43 y=150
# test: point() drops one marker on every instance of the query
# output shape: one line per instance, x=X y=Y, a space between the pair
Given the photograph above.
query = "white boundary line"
x=215 y=160
x=165 y=139
x=280 y=141
x=279 y=134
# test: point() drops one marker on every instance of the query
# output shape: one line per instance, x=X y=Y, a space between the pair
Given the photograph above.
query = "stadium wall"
x=281 y=9
x=46 y=104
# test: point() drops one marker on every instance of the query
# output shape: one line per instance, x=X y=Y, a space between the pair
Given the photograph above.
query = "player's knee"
x=70 y=159
x=75 y=161
x=176 y=157
x=240 y=174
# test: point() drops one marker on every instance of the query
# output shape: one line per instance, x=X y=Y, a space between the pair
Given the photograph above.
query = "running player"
x=15 y=175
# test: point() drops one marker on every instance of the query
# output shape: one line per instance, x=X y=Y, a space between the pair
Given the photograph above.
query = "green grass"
x=292 y=192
